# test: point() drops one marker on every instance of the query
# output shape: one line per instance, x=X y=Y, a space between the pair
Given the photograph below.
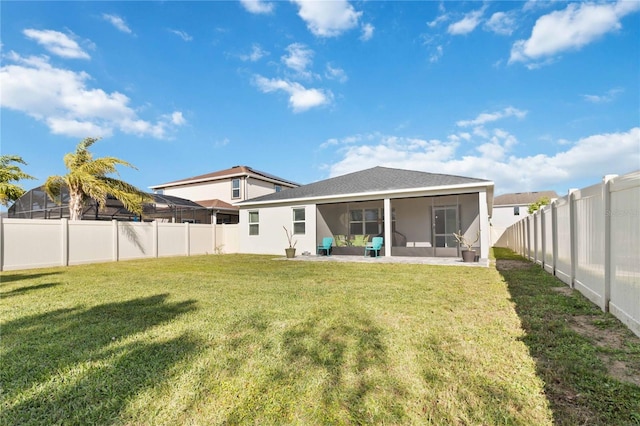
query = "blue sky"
x=532 y=95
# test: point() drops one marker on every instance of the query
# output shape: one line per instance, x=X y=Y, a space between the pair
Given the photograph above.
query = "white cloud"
x=328 y=18
x=588 y=158
x=256 y=54
x=299 y=57
x=333 y=73
x=501 y=23
x=300 y=98
x=571 y=29
x=467 y=24
x=183 y=35
x=61 y=99
x=609 y=96
x=438 y=20
x=493 y=116
x=257 y=6
x=117 y=22
x=436 y=54
x=367 y=32
x=57 y=43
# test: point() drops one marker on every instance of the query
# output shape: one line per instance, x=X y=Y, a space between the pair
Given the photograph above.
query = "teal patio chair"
x=327 y=242
x=374 y=246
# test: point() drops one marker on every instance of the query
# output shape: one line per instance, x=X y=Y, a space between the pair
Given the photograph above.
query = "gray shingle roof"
x=523 y=198
x=376 y=179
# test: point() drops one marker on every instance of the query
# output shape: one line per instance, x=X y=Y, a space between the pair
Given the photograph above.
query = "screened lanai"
x=36 y=204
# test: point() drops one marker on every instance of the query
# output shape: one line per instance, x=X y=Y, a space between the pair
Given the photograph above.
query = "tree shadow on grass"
x=22 y=290
x=342 y=356
x=577 y=384
x=70 y=366
x=8 y=277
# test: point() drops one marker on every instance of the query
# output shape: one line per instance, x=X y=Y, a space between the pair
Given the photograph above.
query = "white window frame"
x=234 y=189
x=254 y=225
x=297 y=221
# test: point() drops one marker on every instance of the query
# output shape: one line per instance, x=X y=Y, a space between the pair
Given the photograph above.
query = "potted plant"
x=468 y=253
x=291 y=250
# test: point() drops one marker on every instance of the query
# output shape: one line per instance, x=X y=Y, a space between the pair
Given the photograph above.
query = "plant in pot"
x=468 y=253
x=291 y=250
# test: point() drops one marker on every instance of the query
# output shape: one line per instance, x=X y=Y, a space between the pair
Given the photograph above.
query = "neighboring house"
x=510 y=208
x=416 y=213
x=218 y=191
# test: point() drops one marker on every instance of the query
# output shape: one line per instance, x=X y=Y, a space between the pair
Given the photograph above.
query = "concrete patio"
x=446 y=261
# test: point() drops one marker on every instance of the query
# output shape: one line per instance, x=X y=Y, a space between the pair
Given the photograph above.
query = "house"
x=416 y=213
x=510 y=208
x=218 y=191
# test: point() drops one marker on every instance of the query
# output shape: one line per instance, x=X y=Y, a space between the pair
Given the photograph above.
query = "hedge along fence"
x=590 y=239
x=29 y=243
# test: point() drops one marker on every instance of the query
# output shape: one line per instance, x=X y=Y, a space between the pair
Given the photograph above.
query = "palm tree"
x=9 y=173
x=87 y=179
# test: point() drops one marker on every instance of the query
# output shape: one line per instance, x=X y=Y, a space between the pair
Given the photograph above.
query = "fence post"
x=572 y=235
x=64 y=258
x=1 y=244
x=606 y=196
x=154 y=249
x=115 y=242
x=187 y=239
x=554 y=235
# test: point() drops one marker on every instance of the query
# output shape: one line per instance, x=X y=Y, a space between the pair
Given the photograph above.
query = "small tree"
x=87 y=179
x=10 y=173
x=542 y=201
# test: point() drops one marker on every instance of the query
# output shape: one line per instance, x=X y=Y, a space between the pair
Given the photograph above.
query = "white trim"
x=391 y=194
x=222 y=177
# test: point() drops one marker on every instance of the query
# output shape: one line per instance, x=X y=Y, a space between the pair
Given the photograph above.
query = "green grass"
x=239 y=339
x=588 y=360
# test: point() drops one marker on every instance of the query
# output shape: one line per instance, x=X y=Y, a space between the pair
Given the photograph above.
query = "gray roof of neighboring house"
x=376 y=179
x=221 y=174
x=520 y=198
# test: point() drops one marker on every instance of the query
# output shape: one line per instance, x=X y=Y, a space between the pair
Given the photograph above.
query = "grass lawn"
x=239 y=339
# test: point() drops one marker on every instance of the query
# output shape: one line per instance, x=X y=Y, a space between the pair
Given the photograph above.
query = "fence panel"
x=547 y=214
x=200 y=239
x=90 y=241
x=31 y=243
x=135 y=240
x=538 y=243
x=171 y=239
x=589 y=243
x=227 y=238
x=563 y=240
x=625 y=251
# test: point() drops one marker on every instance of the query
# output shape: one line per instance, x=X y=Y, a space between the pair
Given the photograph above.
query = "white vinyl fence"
x=590 y=239
x=33 y=243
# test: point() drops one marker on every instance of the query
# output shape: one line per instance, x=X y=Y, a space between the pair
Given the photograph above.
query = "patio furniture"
x=341 y=240
x=359 y=240
x=374 y=246
x=326 y=246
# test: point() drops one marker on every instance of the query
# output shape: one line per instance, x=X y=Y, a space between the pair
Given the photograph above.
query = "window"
x=278 y=188
x=235 y=188
x=365 y=221
x=254 y=226
x=298 y=221
x=516 y=211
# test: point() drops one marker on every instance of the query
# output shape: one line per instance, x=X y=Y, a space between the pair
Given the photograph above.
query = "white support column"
x=483 y=224
x=388 y=235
